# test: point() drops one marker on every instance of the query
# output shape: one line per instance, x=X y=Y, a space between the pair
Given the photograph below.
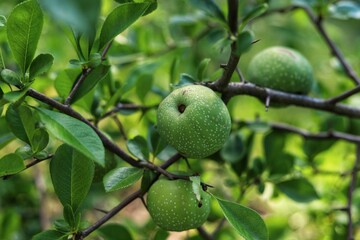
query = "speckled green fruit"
x=194 y=120
x=173 y=206
x=281 y=69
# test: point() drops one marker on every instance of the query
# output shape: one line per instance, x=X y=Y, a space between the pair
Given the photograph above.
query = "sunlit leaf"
x=120 y=178
x=41 y=64
x=202 y=68
x=73 y=132
x=246 y=221
x=11 y=164
x=120 y=19
x=210 y=7
x=50 y=235
x=24 y=27
x=138 y=147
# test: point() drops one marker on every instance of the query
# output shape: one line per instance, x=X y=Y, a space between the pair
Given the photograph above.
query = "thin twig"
x=109 y=215
x=126 y=106
x=120 y=126
x=84 y=75
x=204 y=234
x=344 y=95
x=233 y=61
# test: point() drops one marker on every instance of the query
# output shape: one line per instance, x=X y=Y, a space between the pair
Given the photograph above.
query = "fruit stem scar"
x=181 y=108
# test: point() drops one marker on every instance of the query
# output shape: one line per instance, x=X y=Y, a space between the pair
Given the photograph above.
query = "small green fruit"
x=194 y=120
x=173 y=206
x=281 y=69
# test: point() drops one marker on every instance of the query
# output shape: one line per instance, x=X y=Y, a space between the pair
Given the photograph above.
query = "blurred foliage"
x=295 y=184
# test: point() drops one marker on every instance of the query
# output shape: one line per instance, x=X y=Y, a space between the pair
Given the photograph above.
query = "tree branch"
x=250 y=89
x=84 y=75
x=320 y=135
x=138 y=194
x=233 y=61
x=69 y=111
x=126 y=106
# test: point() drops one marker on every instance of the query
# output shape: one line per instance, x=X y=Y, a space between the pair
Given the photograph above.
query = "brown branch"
x=126 y=106
x=84 y=75
x=335 y=51
x=250 y=89
x=109 y=215
x=138 y=194
x=204 y=234
x=233 y=61
x=344 y=95
x=69 y=111
x=320 y=135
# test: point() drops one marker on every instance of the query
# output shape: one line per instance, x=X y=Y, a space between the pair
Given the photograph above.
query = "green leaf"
x=157 y=143
x=24 y=27
x=81 y=15
x=50 y=235
x=147 y=179
x=274 y=143
x=243 y=42
x=40 y=140
x=120 y=178
x=300 y=190
x=174 y=68
x=10 y=77
x=345 y=10
x=210 y=7
x=246 y=221
x=234 y=148
x=143 y=86
x=71 y=174
x=41 y=64
x=202 y=68
x=120 y=19
x=21 y=122
x=65 y=81
x=254 y=13
x=196 y=187
x=95 y=76
x=73 y=219
x=185 y=79
x=282 y=165
x=11 y=164
x=138 y=147
x=6 y=135
x=112 y=231
x=75 y=133
x=15 y=96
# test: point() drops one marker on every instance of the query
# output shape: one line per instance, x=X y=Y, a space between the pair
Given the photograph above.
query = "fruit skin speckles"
x=173 y=206
x=194 y=120
x=282 y=69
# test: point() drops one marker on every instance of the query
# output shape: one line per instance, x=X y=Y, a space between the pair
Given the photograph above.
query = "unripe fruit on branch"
x=283 y=69
x=194 y=120
x=173 y=206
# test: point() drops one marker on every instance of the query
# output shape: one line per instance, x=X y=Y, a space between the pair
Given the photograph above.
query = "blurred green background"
x=150 y=56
